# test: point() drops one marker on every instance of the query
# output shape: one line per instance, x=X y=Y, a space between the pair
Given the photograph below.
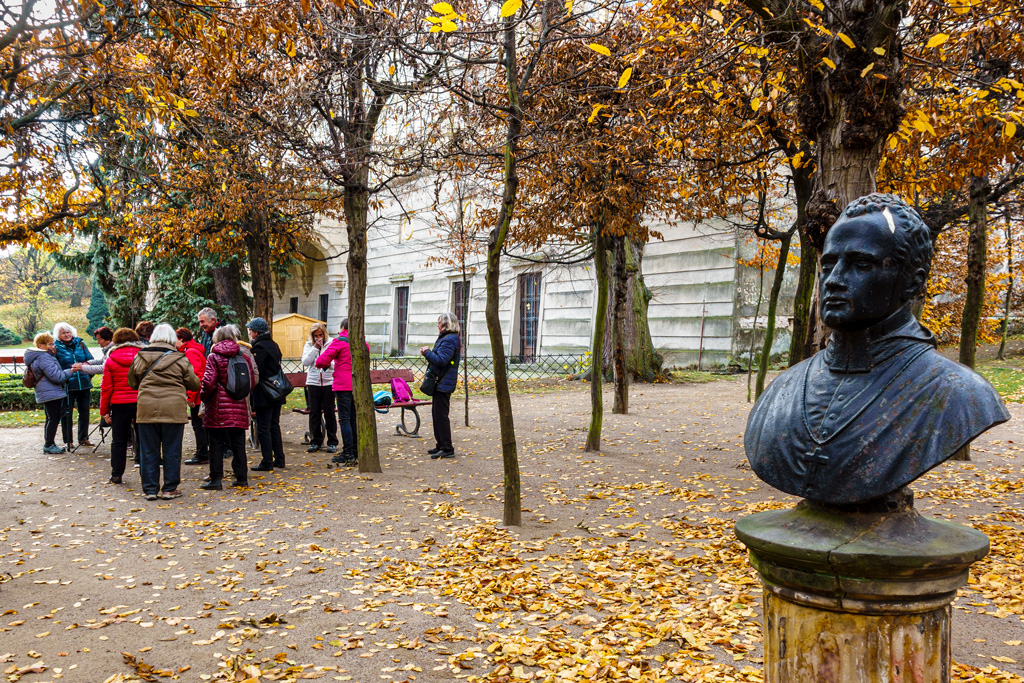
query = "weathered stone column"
x=861 y=594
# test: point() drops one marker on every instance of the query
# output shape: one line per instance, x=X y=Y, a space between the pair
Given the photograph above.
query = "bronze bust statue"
x=879 y=406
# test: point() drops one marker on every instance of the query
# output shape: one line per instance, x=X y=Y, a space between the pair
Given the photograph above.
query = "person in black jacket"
x=444 y=360
x=268 y=412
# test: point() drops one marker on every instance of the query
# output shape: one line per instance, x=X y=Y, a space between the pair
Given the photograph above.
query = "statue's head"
x=876 y=259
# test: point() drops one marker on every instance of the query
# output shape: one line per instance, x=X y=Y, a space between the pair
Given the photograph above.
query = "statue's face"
x=862 y=281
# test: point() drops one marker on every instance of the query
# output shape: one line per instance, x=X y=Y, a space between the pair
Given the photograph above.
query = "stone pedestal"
x=854 y=596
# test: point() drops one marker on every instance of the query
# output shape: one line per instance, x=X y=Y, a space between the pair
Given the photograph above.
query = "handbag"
x=276 y=387
x=430 y=379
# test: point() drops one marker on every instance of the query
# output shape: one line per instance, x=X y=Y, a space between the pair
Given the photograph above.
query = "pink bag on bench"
x=400 y=390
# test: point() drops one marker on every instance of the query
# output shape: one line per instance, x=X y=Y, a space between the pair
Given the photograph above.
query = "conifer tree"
x=98 y=311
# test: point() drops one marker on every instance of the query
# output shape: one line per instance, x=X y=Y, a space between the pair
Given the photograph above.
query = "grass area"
x=694 y=376
x=1007 y=376
x=31 y=418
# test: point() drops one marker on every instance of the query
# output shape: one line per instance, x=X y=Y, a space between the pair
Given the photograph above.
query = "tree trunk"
x=773 y=303
x=78 y=291
x=643 y=362
x=621 y=404
x=356 y=207
x=257 y=242
x=977 y=263
x=1009 y=285
x=753 y=327
x=512 y=514
x=802 y=301
x=848 y=116
x=597 y=361
x=230 y=294
x=127 y=302
x=465 y=337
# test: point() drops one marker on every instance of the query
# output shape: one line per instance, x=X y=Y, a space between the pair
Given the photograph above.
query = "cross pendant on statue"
x=815 y=461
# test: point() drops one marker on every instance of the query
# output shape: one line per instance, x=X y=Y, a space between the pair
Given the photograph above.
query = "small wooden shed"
x=291 y=332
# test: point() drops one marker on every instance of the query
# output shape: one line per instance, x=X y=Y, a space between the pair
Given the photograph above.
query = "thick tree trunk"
x=977 y=263
x=1009 y=285
x=848 y=172
x=257 y=242
x=621 y=404
x=848 y=116
x=512 y=514
x=356 y=207
x=773 y=303
x=233 y=302
x=127 y=302
x=642 y=360
x=78 y=291
x=597 y=362
x=802 y=301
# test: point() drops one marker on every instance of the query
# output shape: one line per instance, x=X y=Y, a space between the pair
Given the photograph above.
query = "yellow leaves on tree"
x=510 y=7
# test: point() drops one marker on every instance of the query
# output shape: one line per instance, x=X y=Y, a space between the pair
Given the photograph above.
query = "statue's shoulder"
x=941 y=376
x=939 y=368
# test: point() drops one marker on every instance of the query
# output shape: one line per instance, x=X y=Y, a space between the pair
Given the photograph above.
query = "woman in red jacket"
x=196 y=355
x=226 y=418
x=118 y=401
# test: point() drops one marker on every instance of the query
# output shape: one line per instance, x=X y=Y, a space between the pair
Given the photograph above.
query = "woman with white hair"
x=443 y=360
x=72 y=354
x=319 y=392
x=162 y=375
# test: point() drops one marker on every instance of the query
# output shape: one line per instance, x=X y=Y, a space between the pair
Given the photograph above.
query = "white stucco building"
x=703 y=302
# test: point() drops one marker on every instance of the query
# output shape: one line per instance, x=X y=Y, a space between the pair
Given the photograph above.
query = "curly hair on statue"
x=913 y=238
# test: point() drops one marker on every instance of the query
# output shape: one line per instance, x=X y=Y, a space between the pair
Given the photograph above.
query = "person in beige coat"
x=162 y=375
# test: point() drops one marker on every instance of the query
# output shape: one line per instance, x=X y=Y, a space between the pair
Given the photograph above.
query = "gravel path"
x=625 y=565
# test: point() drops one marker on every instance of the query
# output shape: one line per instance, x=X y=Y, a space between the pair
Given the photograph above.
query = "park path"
x=625 y=566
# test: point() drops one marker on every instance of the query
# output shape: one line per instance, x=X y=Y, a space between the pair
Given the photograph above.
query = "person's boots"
x=213 y=485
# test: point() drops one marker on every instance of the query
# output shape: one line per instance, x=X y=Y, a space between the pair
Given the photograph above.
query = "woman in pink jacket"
x=340 y=353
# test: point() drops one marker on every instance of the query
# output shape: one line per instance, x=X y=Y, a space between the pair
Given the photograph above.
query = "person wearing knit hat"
x=268 y=410
x=258 y=325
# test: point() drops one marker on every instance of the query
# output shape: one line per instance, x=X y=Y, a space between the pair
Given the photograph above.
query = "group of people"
x=155 y=379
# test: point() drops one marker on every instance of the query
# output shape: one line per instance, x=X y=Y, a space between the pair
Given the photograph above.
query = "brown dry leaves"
x=616 y=576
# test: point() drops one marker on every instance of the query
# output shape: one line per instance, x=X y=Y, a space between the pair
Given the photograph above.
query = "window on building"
x=401 y=318
x=324 y=300
x=293 y=305
x=529 y=314
x=460 y=304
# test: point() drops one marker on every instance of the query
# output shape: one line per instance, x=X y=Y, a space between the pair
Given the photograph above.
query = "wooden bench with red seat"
x=409 y=408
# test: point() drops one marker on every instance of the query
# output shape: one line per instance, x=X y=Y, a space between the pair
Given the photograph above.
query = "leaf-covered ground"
x=626 y=567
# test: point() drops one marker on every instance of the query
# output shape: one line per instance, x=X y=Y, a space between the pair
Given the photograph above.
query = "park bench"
x=409 y=425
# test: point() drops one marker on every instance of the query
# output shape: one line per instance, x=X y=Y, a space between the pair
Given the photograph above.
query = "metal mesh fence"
x=482 y=367
x=479 y=367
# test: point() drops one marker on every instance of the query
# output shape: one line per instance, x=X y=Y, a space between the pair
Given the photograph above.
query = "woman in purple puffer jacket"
x=226 y=419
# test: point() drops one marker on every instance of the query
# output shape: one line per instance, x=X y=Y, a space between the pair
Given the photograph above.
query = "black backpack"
x=239 y=381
